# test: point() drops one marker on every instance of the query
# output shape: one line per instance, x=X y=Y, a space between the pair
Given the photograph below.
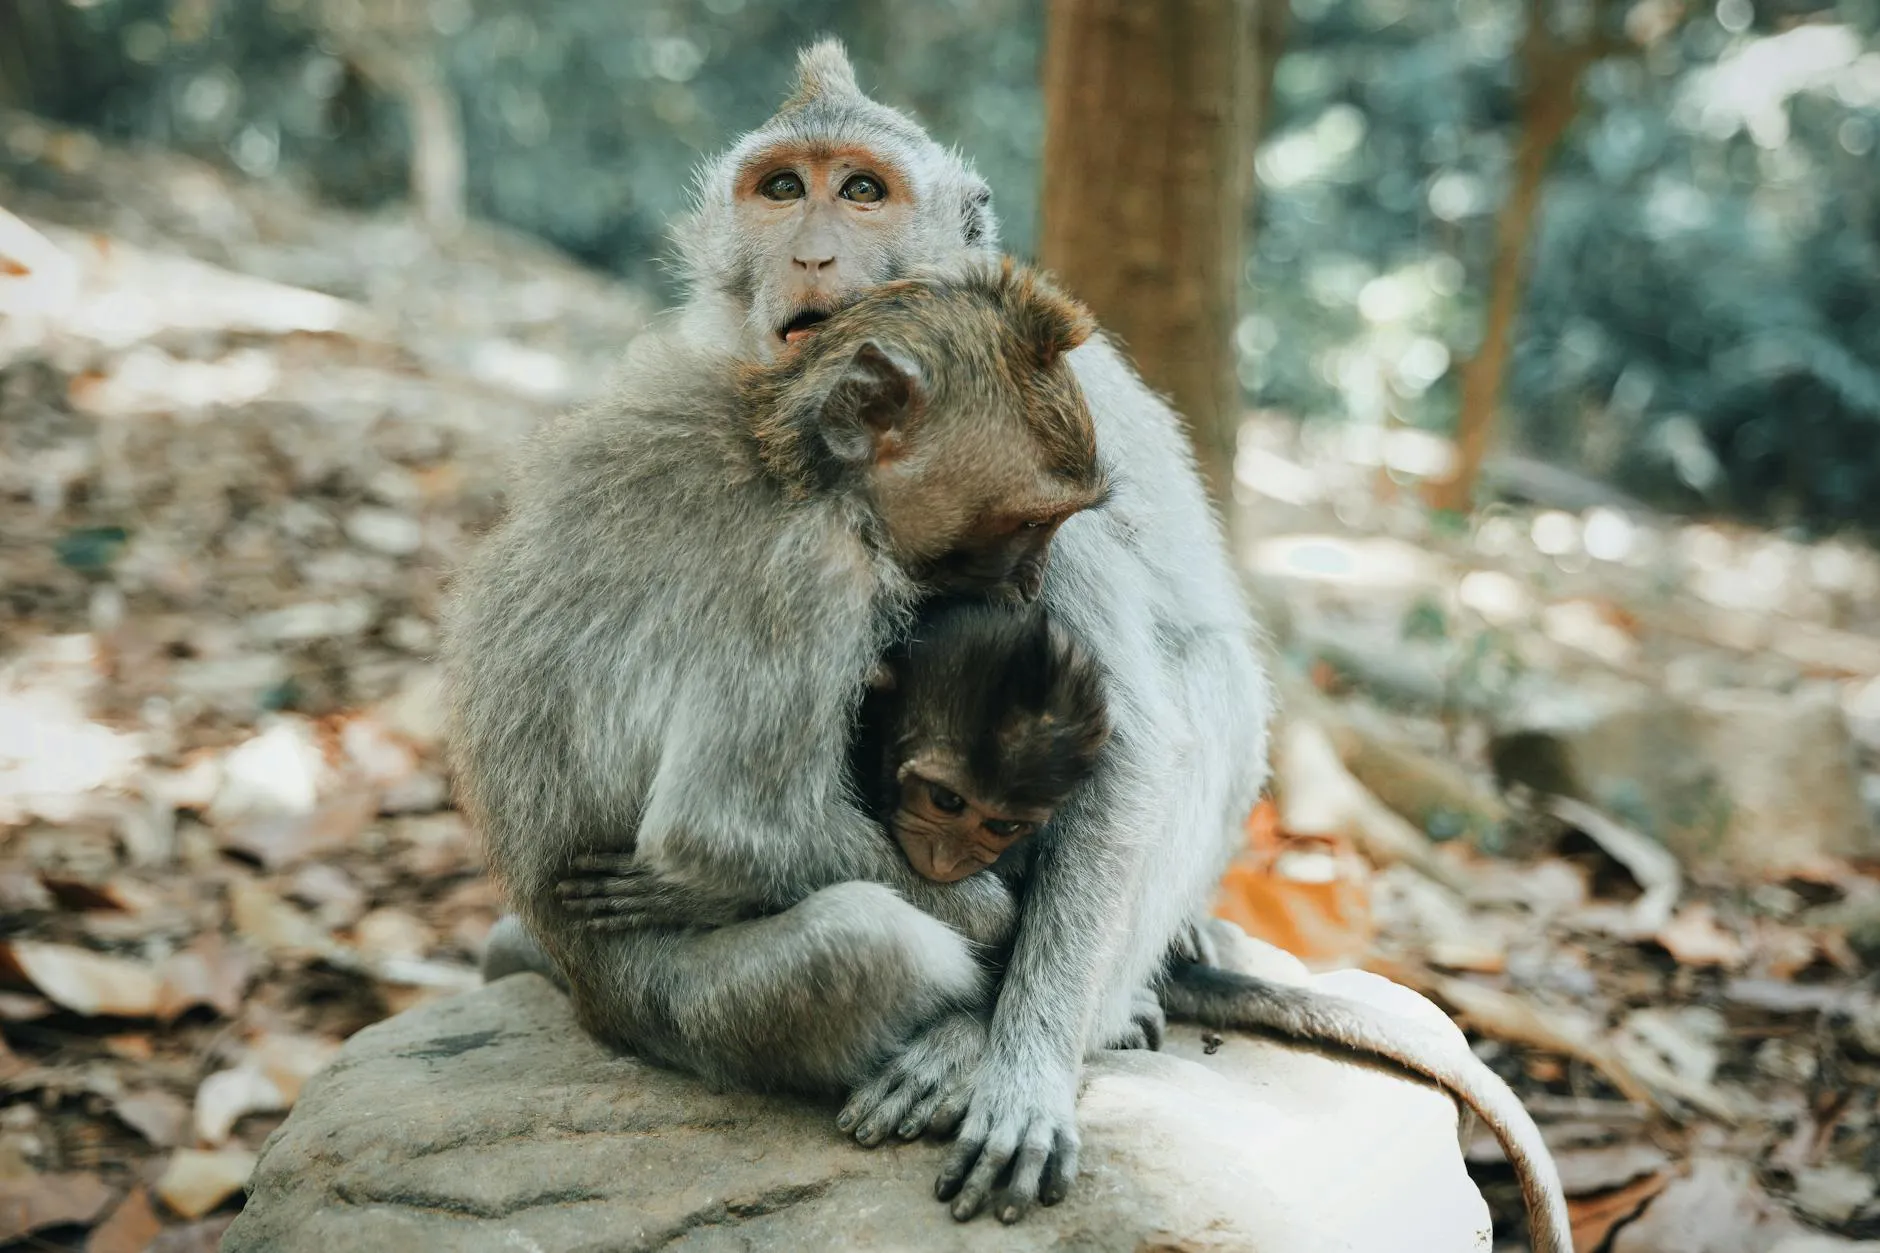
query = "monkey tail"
x=1227 y=999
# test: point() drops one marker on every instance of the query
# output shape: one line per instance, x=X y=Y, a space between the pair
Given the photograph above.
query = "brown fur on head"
x=834 y=194
x=948 y=403
x=984 y=723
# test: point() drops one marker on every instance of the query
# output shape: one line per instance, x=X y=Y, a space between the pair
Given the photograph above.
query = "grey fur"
x=1120 y=887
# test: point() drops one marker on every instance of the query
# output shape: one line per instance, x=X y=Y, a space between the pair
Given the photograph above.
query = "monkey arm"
x=619 y=892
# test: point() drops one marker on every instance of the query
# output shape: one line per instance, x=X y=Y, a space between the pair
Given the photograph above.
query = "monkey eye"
x=1030 y=524
x=1007 y=828
x=946 y=800
x=863 y=189
x=783 y=185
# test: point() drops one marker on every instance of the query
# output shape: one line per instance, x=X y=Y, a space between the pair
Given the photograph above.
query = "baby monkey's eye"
x=783 y=185
x=945 y=800
x=1007 y=828
x=863 y=189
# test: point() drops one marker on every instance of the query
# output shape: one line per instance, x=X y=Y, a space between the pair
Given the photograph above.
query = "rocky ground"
x=242 y=438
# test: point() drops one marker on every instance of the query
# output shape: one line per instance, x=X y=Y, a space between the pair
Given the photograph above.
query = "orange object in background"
x=1310 y=895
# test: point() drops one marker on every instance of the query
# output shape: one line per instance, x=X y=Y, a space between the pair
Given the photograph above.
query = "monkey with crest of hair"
x=832 y=197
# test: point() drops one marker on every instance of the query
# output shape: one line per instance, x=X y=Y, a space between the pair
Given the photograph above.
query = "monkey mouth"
x=802 y=324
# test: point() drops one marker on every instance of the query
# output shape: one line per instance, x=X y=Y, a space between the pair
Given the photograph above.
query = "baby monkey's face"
x=946 y=831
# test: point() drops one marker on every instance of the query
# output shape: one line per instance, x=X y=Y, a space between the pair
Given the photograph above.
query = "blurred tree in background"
x=1692 y=307
x=1143 y=206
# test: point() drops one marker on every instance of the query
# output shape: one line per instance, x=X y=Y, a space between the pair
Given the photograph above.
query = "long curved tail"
x=1227 y=999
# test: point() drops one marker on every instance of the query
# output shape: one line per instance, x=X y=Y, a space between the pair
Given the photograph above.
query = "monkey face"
x=819 y=223
x=948 y=835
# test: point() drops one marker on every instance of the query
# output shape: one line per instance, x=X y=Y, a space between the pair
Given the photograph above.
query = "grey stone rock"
x=1763 y=781
x=489 y=1121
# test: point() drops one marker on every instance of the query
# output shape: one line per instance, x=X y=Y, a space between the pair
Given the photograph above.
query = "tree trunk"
x=1149 y=125
x=1548 y=101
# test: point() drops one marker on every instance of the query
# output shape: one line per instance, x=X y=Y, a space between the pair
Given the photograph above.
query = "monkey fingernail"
x=1010 y=1214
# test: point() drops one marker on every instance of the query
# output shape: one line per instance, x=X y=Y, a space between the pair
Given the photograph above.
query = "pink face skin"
x=947 y=835
x=821 y=224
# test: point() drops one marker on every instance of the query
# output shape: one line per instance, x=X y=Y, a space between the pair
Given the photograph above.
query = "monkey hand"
x=1017 y=1120
x=923 y=1089
x=617 y=892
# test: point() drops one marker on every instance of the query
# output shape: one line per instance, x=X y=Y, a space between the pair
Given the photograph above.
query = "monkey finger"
x=1027 y=1170
x=890 y=1114
x=992 y=1162
x=871 y=1096
x=1061 y=1171
x=949 y=1113
x=922 y=1118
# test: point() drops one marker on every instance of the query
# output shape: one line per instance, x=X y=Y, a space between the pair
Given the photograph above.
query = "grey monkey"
x=832 y=196
x=660 y=649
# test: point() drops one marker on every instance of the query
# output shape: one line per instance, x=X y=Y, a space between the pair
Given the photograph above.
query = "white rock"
x=441 y=1127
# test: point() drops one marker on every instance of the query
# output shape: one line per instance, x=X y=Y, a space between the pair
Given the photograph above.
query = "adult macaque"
x=660 y=650
x=833 y=196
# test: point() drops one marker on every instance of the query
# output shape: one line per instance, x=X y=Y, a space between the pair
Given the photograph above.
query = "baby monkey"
x=986 y=720
x=974 y=730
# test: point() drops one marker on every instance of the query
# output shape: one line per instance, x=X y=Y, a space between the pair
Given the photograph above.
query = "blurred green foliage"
x=1702 y=320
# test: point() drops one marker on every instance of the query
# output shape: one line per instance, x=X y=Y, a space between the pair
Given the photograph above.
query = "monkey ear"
x=867 y=409
x=882 y=678
x=822 y=72
x=1053 y=324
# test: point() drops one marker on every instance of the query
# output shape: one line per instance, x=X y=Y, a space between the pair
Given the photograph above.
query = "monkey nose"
x=814 y=266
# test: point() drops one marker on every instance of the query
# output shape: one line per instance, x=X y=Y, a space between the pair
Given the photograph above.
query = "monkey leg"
x=813 y=999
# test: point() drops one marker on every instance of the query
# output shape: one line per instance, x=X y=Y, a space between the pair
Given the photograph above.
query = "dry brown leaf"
x=203 y=1237
x=133 y=1047
x=227 y=1096
x=1309 y=897
x=1694 y=938
x=198 y=1180
x=158 y=1116
x=1782 y=952
x=1317 y=795
x=1649 y=863
x=282 y=840
x=290 y=1060
x=209 y=972
x=1475 y=956
x=1587 y=1171
x=12 y=1065
x=274 y=925
x=86 y=982
x=1717 y=1208
x=1507 y=1017
x=130 y=1228
x=1594 y=1217
x=391 y=932
x=23 y=1007
x=30 y=1203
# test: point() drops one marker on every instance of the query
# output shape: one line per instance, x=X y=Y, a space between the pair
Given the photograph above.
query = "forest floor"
x=242 y=436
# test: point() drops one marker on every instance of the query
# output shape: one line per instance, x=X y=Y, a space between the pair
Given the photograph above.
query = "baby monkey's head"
x=989 y=717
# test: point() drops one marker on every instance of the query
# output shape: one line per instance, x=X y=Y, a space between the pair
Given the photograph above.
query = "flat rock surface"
x=490 y=1121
